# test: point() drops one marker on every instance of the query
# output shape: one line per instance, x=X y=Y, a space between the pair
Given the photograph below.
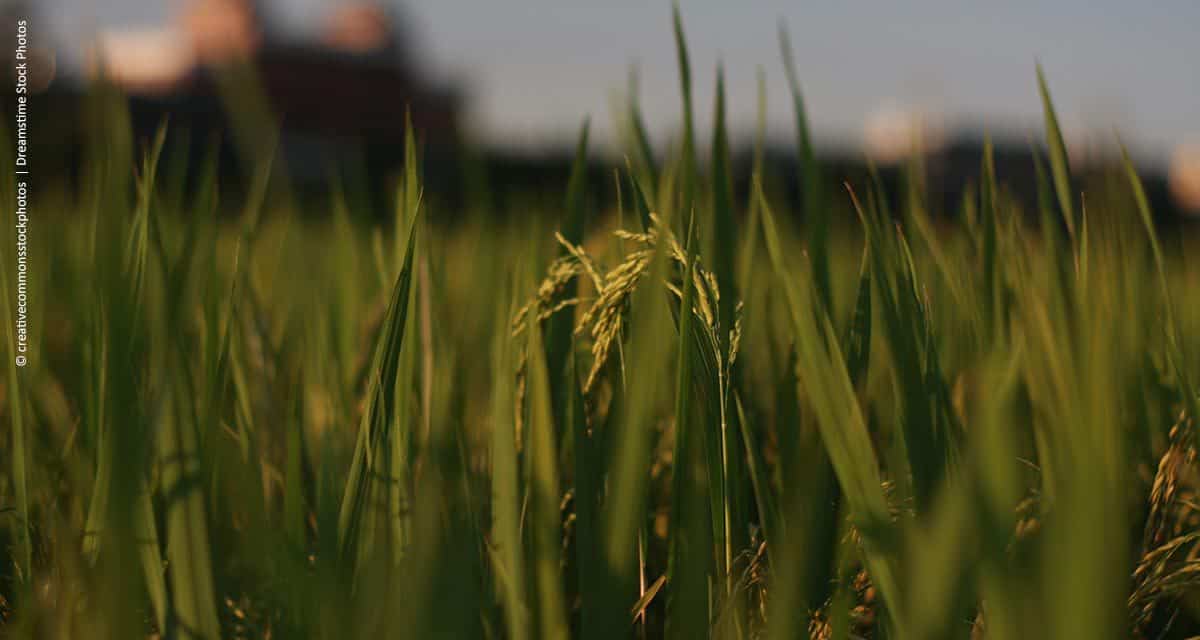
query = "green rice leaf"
x=1059 y=165
x=815 y=209
x=687 y=184
x=507 y=550
x=545 y=496
x=379 y=419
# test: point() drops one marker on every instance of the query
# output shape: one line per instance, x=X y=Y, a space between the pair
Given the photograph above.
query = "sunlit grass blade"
x=843 y=430
x=687 y=183
x=815 y=210
x=589 y=492
x=576 y=203
x=828 y=388
x=623 y=512
x=561 y=326
x=724 y=228
x=639 y=202
x=643 y=151
x=925 y=423
x=725 y=450
x=1176 y=340
x=506 y=544
x=857 y=341
x=768 y=507
x=751 y=235
x=294 y=508
x=687 y=610
x=545 y=496
x=98 y=504
x=1060 y=168
x=137 y=248
x=192 y=589
x=153 y=567
x=410 y=191
x=989 y=222
x=379 y=417
x=942 y=553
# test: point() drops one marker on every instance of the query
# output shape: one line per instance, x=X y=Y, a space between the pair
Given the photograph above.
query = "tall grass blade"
x=751 y=235
x=723 y=229
x=927 y=423
x=1175 y=337
x=506 y=544
x=192 y=587
x=545 y=496
x=990 y=223
x=294 y=509
x=379 y=418
x=639 y=203
x=828 y=388
x=561 y=326
x=643 y=151
x=1060 y=168
x=688 y=556
x=152 y=563
x=815 y=210
x=623 y=512
x=589 y=466
x=857 y=342
x=687 y=183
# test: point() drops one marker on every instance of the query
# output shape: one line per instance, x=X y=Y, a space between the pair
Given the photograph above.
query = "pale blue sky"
x=536 y=67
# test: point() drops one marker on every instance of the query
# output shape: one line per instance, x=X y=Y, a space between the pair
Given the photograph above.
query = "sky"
x=535 y=68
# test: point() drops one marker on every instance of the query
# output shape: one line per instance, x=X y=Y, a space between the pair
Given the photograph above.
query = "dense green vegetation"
x=684 y=417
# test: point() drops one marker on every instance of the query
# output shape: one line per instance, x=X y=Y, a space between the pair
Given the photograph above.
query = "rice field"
x=694 y=414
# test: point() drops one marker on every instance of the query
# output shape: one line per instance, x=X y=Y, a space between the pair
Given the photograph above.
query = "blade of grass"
x=828 y=388
x=1175 y=336
x=731 y=458
x=749 y=248
x=688 y=558
x=815 y=210
x=768 y=509
x=989 y=221
x=639 y=201
x=643 y=152
x=545 y=496
x=623 y=513
x=192 y=588
x=561 y=326
x=380 y=414
x=1059 y=165
x=687 y=183
x=152 y=564
x=724 y=229
x=506 y=494
x=925 y=424
x=857 y=342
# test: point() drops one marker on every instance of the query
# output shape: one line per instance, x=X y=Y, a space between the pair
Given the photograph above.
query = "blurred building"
x=347 y=88
x=1184 y=177
x=221 y=31
x=892 y=133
